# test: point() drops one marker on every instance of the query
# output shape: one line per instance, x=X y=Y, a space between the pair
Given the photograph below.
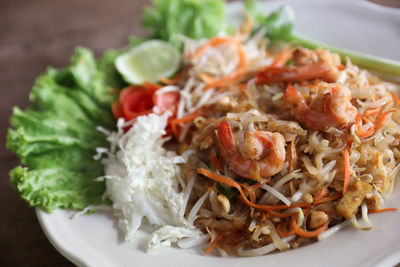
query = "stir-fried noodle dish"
x=231 y=140
x=280 y=146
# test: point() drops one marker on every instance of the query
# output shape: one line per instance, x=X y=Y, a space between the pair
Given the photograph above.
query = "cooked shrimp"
x=260 y=155
x=307 y=65
x=331 y=107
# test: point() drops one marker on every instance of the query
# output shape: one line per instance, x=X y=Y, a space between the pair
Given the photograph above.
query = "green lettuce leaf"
x=192 y=18
x=56 y=137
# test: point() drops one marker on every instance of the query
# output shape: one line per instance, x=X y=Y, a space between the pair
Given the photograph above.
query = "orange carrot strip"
x=174 y=80
x=230 y=182
x=281 y=215
x=207 y=78
x=228 y=80
x=251 y=192
x=327 y=199
x=382 y=210
x=346 y=180
x=341 y=67
x=263 y=217
x=283 y=233
x=395 y=98
x=307 y=234
x=213 y=243
x=213 y=42
x=188 y=118
x=382 y=119
x=360 y=132
x=280 y=60
x=320 y=194
x=373 y=111
x=367 y=120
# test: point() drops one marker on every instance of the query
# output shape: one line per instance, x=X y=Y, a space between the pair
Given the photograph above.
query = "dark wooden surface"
x=35 y=34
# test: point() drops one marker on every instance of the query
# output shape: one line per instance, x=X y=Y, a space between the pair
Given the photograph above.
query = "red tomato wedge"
x=137 y=101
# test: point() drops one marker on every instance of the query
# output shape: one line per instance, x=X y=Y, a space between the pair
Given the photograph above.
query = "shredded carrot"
x=240 y=69
x=251 y=192
x=320 y=194
x=347 y=170
x=395 y=98
x=230 y=182
x=213 y=243
x=372 y=111
x=367 y=120
x=263 y=217
x=282 y=58
x=234 y=76
x=213 y=42
x=215 y=161
x=382 y=119
x=174 y=80
x=360 y=132
x=280 y=215
x=175 y=123
x=341 y=67
x=283 y=233
x=243 y=89
x=382 y=210
x=293 y=155
x=207 y=78
x=327 y=199
x=304 y=233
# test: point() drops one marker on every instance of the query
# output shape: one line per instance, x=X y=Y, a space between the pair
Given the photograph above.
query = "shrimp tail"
x=226 y=140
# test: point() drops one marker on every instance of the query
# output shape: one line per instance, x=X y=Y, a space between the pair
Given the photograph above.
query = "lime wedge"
x=148 y=62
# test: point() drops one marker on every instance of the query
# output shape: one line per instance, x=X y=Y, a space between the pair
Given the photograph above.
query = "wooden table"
x=33 y=35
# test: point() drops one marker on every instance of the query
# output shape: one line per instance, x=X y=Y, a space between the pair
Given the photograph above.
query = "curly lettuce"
x=55 y=138
x=168 y=19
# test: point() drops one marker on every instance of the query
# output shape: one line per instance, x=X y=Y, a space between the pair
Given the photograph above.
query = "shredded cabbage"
x=164 y=236
x=142 y=180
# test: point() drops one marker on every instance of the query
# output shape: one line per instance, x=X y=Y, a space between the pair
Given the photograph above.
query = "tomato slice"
x=136 y=101
x=139 y=102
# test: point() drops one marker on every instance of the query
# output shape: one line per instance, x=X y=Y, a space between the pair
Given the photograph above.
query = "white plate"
x=95 y=241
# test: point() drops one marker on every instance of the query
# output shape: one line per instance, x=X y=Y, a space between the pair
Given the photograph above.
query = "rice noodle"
x=364 y=213
x=276 y=193
x=193 y=212
x=262 y=250
x=334 y=229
